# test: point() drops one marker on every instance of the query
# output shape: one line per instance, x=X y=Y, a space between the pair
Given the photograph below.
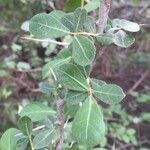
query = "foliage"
x=70 y=71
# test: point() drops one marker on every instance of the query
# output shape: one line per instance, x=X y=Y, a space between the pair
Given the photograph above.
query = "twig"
x=60 y=122
x=103 y=14
x=46 y=40
x=143 y=76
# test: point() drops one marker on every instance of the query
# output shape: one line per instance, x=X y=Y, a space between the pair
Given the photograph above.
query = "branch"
x=46 y=40
x=103 y=14
x=60 y=122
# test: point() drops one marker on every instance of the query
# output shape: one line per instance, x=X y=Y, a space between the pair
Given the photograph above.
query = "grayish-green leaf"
x=122 y=39
x=88 y=127
x=74 y=97
x=79 y=19
x=46 y=88
x=44 y=138
x=97 y=83
x=22 y=143
x=47 y=26
x=8 y=140
x=64 y=53
x=68 y=21
x=92 y=5
x=126 y=25
x=50 y=67
x=90 y=25
x=25 y=125
x=109 y=93
x=105 y=39
x=83 y=50
x=36 y=111
x=72 y=78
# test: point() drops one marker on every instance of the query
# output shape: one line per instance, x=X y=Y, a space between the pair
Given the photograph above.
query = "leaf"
x=68 y=21
x=36 y=111
x=46 y=88
x=105 y=39
x=83 y=50
x=79 y=19
x=88 y=127
x=70 y=110
x=71 y=77
x=97 y=83
x=44 y=138
x=74 y=97
x=64 y=53
x=8 y=140
x=71 y=5
x=122 y=39
x=126 y=25
x=92 y=5
x=109 y=93
x=22 y=143
x=47 y=26
x=90 y=25
x=53 y=65
x=25 y=125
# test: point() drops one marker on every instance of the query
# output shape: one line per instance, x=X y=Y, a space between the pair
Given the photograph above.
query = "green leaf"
x=46 y=88
x=83 y=50
x=47 y=26
x=8 y=140
x=97 y=83
x=44 y=138
x=90 y=25
x=126 y=25
x=92 y=5
x=68 y=21
x=105 y=39
x=25 y=125
x=109 y=93
x=71 y=5
x=122 y=39
x=64 y=53
x=36 y=111
x=71 y=77
x=74 y=97
x=80 y=16
x=88 y=127
x=22 y=143
x=53 y=65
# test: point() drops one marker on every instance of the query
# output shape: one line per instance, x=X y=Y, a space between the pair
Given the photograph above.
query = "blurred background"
x=128 y=124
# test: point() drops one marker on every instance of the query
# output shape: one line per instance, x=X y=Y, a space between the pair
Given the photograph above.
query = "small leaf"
x=22 y=143
x=92 y=5
x=90 y=25
x=79 y=19
x=122 y=39
x=109 y=93
x=36 y=111
x=46 y=88
x=88 y=127
x=64 y=53
x=126 y=25
x=53 y=65
x=47 y=26
x=83 y=50
x=96 y=84
x=105 y=39
x=8 y=140
x=68 y=21
x=74 y=97
x=25 y=125
x=44 y=138
x=72 y=78
x=71 y=5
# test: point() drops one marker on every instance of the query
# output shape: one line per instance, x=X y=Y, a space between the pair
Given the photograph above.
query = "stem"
x=30 y=140
x=103 y=14
x=82 y=3
x=60 y=122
